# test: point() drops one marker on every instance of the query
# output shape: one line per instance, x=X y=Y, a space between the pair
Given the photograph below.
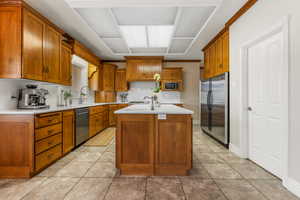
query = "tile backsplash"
x=138 y=90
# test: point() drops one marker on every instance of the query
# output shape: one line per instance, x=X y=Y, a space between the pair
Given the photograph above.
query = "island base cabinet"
x=146 y=145
x=173 y=145
x=135 y=144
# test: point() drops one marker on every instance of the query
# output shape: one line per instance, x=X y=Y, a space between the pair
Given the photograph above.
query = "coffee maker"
x=32 y=98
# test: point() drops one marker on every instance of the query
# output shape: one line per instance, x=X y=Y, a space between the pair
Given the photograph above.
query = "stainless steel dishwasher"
x=82 y=125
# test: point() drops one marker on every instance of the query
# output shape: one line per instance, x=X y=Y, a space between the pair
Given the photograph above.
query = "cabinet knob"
x=249 y=108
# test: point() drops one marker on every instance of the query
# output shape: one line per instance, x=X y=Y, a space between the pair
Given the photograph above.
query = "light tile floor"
x=89 y=173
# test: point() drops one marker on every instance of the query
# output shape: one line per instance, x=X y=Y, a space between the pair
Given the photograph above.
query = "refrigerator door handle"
x=209 y=99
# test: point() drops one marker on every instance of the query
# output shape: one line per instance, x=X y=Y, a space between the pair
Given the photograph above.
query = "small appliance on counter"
x=123 y=97
x=32 y=98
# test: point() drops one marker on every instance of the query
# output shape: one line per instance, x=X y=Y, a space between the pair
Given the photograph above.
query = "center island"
x=154 y=142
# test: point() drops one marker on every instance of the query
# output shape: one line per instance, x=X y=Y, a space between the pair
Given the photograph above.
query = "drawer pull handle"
x=50 y=156
x=50 y=120
x=50 y=143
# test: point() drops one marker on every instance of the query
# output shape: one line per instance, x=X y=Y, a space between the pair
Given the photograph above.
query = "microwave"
x=171 y=85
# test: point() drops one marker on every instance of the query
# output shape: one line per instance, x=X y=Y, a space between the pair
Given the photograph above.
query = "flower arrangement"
x=156 y=77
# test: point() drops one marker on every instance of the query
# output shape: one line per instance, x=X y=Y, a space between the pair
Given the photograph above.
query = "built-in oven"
x=82 y=125
x=171 y=85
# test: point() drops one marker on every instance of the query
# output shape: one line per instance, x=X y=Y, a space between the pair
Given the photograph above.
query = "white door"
x=266 y=97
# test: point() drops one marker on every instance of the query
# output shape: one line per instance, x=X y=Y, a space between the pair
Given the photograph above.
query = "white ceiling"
x=95 y=23
x=187 y=21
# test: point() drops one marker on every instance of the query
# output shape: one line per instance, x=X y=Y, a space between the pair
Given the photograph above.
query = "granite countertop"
x=58 y=108
x=163 y=109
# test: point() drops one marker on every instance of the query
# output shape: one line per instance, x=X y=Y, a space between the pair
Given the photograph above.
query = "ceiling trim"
x=140 y=3
x=178 y=15
x=124 y=61
x=116 y=24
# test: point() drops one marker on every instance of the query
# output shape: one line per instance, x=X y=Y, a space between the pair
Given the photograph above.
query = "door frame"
x=281 y=26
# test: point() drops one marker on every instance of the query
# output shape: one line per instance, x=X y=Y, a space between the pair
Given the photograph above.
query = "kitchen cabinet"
x=172 y=74
x=173 y=151
x=36 y=41
x=216 y=55
x=121 y=84
x=33 y=44
x=68 y=131
x=146 y=145
x=142 y=68
x=98 y=119
x=66 y=65
x=51 y=54
x=107 y=77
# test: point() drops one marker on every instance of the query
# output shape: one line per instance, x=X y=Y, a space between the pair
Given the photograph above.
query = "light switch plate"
x=162 y=116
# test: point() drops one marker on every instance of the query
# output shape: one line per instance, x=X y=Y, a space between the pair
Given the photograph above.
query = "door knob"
x=249 y=108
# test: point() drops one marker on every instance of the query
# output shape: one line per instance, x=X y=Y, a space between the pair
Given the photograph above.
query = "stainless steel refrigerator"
x=215 y=107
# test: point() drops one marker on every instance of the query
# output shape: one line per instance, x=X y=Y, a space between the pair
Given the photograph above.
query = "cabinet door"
x=174 y=145
x=109 y=77
x=120 y=82
x=52 y=45
x=33 y=34
x=10 y=45
x=225 y=40
x=212 y=60
x=68 y=131
x=92 y=125
x=206 y=70
x=219 y=56
x=149 y=68
x=112 y=116
x=135 y=144
x=66 y=66
x=171 y=74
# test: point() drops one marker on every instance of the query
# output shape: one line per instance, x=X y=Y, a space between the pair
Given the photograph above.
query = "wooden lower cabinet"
x=148 y=146
x=16 y=146
x=98 y=119
x=68 y=131
x=44 y=159
x=135 y=144
x=173 y=155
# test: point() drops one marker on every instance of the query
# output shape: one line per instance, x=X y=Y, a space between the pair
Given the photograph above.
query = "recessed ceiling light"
x=135 y=36
x=160 y=35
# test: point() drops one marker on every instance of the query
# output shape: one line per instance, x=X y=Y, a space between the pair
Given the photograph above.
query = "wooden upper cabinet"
x=52 y=45
x=107 y=77
x=143 y=68
x=105 y=97
x=66 y=65
x=10 y=45
x=120 y=81
x=216 y=55
x=171 y=74
x=33 y=43
x=225 y=40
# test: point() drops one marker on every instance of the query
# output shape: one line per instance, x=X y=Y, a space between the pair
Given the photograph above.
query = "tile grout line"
x=34 y=188
x=181 y=184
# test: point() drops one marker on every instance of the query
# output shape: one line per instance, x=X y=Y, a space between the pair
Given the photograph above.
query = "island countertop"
x=162 y=109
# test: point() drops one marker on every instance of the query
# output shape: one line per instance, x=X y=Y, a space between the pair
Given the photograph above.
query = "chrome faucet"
x=152 y=101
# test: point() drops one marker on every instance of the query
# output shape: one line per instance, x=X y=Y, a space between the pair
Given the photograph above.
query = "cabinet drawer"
x=47 y=143
x=43 y=120
x=45 y=158
x=97 y=109
x=47 y=131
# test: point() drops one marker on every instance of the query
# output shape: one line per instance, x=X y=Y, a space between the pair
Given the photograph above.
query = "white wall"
x=264 y=14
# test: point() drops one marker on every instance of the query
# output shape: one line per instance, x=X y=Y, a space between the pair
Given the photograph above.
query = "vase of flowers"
x=156 y=78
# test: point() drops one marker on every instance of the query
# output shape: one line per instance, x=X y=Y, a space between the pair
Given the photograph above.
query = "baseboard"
x=236 y=150
x=196 y=122
x=292 y=185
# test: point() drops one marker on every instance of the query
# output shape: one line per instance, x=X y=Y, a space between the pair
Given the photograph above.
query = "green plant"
x=67 y=95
